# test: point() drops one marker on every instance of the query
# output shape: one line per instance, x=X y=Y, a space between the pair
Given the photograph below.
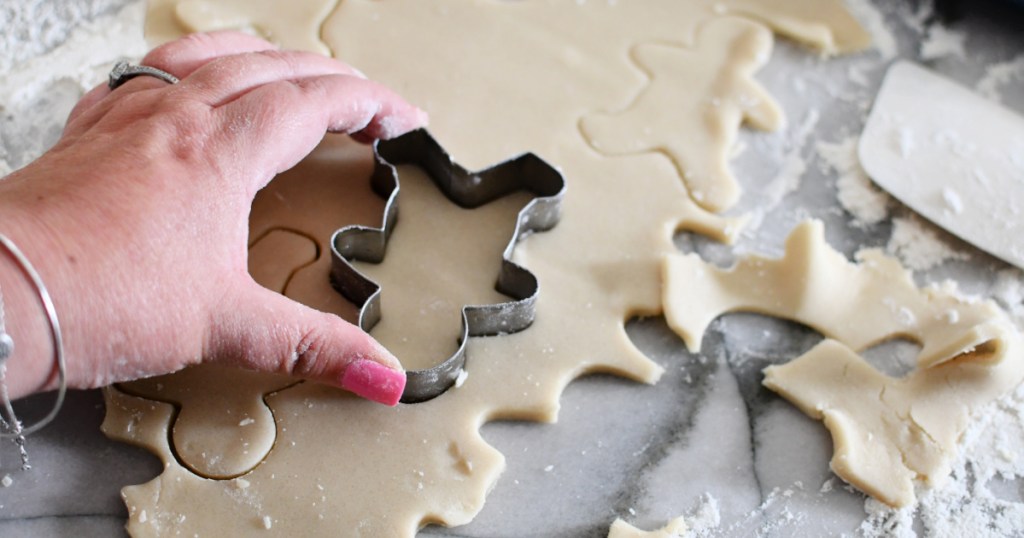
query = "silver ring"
x=123 y=71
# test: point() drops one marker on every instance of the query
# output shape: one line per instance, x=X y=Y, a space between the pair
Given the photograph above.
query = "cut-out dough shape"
x=546 y=64
x=676 y=528
x=295 y=27
x=653 y=121
x=328 y=190
x=225 y=433
x=276 y=256
x=217 y=433
x=887 y=432
x=222 y=433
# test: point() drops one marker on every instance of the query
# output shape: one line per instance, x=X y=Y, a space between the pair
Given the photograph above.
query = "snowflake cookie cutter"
x=469 y=190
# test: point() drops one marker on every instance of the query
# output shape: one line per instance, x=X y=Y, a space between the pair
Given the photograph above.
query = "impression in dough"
x=651 y=122
x=294 y=25
x=887 y=432
x=533 y=71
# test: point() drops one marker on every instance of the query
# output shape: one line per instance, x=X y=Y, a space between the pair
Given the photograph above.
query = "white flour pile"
x=38 y=91
x=919 y=245
x=866 y=203
x=1001 y=74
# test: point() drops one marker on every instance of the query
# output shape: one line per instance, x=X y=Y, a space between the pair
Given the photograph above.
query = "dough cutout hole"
x=895 y=357
x=716 y=253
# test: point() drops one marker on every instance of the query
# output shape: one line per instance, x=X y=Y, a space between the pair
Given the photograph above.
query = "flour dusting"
x=982 y=497
x=34 y=28
x=1000 y=74
x=919 y=246
x=866 y=203
x=36 y=95
x=793 y=164
x=940 y=42
x=874 y=22
x=1008 y=291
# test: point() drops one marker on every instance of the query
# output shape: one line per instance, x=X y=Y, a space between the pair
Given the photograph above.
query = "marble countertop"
x=707 y=441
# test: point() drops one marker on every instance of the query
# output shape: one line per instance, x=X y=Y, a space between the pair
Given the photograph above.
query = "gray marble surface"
x=707 y=441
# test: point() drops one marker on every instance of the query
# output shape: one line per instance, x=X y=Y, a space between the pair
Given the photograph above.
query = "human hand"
x=137 y=221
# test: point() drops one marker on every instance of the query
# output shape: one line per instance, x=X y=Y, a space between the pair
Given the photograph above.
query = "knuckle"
x=164 y=56
x=187 y=125
x=307 y=357
x=287 y=59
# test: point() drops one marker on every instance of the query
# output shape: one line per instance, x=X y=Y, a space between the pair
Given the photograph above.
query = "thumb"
x=265 y=331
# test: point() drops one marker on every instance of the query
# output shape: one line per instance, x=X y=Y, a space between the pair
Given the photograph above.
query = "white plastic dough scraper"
x=950 y=155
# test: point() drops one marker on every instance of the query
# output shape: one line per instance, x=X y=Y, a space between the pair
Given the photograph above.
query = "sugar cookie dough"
x=423 y=290
x=674 y=529
x=533 y=71
x=887 y=432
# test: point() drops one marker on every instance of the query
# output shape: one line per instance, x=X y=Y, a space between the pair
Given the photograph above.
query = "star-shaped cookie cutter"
x=469 y=190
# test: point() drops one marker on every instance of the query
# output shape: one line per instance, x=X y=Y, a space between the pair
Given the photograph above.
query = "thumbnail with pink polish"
x=374 y=381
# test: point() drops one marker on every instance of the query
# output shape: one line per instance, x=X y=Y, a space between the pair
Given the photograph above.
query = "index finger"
x=275 y=125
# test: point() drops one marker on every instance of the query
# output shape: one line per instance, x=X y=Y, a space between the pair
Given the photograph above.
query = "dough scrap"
x=426 y=463
x=832 y=31
x=651 y=121
x=887 y=432
x=674 y=529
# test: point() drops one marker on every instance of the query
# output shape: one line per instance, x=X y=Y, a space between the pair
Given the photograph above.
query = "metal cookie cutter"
x=469 y=190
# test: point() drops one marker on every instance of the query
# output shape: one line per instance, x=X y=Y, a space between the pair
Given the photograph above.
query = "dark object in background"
x=1010 y=11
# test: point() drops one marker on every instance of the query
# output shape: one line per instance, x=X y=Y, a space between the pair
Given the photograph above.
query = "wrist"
x=30 y=367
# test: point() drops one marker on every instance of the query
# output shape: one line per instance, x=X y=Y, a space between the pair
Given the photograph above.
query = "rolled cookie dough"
x=533 y=70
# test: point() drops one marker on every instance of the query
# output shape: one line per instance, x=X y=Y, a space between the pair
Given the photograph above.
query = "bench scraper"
x=950 y=155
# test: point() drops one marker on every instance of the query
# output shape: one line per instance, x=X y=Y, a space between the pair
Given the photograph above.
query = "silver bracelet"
x=7 y=347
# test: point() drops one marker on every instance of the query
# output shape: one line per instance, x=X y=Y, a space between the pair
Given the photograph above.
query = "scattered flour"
x=1008 y=291
x=940 y=42
x=917 y=19
x=37 y=94
x=33 y=28
x=999 y=75
x=794 y=165
x=981 y=498
x=874 y=21
x=859 y=197
x=919 y=246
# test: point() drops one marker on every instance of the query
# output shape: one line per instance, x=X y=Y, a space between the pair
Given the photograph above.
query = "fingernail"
x=374 y=381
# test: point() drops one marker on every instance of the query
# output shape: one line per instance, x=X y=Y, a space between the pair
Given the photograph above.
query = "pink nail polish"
x=374 y=381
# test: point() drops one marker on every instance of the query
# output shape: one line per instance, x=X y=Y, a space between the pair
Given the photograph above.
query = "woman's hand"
x=137 y=221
